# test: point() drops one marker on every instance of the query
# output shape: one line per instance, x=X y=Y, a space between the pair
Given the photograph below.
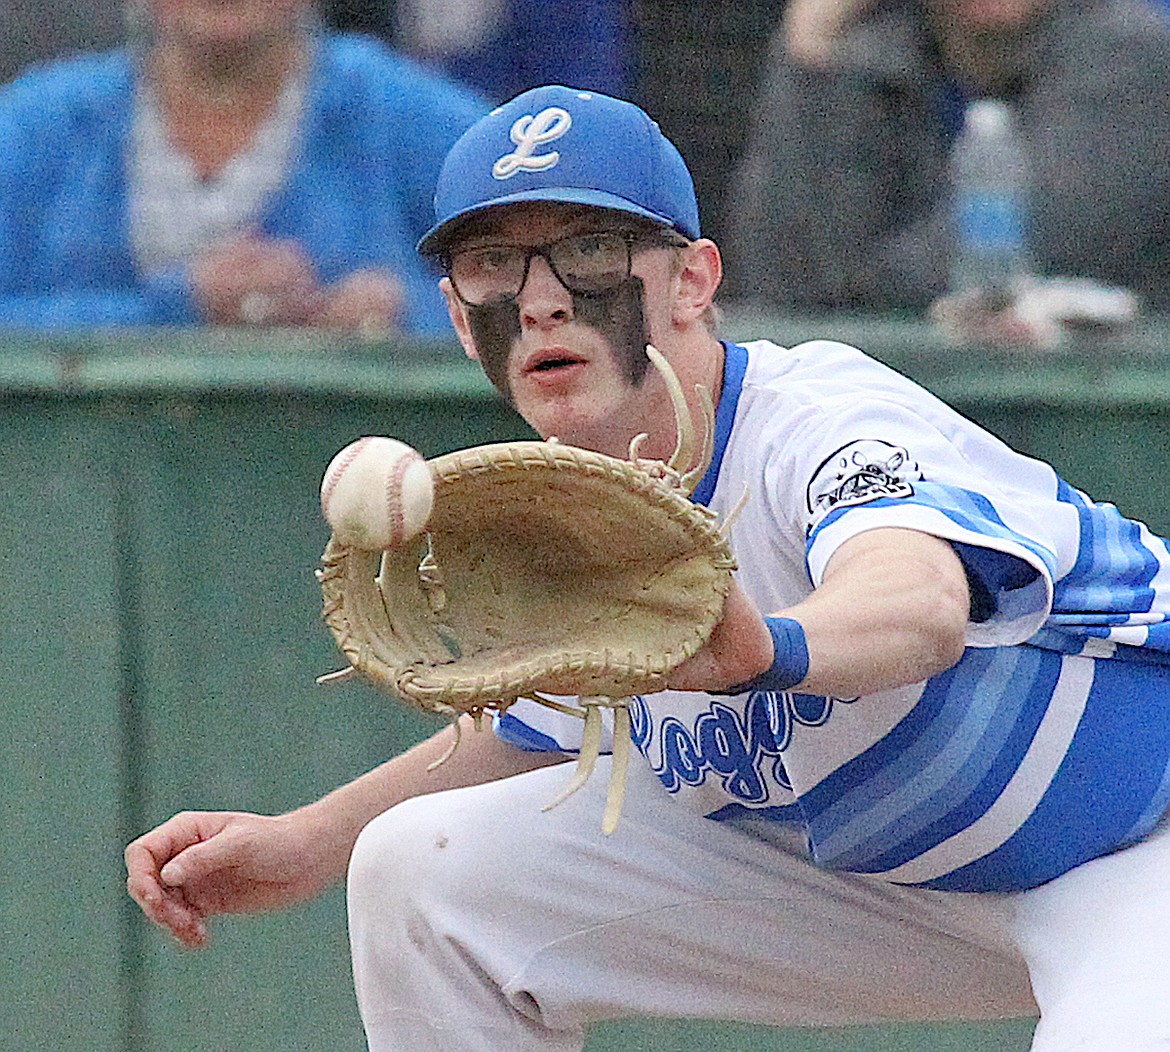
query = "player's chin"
x=539 y=390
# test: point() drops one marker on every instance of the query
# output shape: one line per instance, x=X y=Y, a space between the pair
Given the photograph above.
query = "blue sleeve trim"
x=967 y=510
x=989 y=574
x=735 y=363
x=515 y=732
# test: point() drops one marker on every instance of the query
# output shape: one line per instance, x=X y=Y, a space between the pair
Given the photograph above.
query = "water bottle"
x=990 y=186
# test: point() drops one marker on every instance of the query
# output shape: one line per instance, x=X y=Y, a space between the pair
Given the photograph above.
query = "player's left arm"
x=892 y=609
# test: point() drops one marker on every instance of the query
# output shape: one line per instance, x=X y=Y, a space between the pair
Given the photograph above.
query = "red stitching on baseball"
x=394 y=510
x=334 y=476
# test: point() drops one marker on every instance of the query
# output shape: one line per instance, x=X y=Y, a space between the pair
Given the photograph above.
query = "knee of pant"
x=394 y=852
x=423 y=856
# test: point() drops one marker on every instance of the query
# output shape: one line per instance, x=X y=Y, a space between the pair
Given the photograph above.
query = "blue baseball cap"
x=562 y=144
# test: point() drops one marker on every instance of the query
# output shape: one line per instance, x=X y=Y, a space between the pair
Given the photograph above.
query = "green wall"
x=159 y=622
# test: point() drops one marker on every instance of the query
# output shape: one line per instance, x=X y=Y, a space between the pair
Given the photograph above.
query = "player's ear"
x=700 y=271
x=458 y=313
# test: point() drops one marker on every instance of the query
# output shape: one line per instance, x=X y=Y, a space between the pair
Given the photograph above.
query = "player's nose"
x=544 y=298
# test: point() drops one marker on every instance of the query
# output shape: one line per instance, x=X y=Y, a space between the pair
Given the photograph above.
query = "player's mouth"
x=552 y=361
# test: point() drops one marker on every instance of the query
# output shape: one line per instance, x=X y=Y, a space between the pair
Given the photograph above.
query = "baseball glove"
x=544 y=569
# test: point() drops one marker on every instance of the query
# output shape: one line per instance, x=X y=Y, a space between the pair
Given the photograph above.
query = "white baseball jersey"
x=1048 y=744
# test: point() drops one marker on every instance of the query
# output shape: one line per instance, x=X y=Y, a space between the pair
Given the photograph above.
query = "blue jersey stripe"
x=1114 y=568
x=1002 y=749
x=1111 y=787
x=1109 y=588
x=939 y=769
x=740 y=816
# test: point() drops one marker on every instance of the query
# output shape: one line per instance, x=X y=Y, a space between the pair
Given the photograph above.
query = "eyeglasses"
x=586 y=264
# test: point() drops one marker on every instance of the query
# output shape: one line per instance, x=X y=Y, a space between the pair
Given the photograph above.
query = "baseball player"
x=929 y=785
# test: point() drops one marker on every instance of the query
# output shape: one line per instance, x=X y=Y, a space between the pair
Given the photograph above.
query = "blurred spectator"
x=375 y=17
x=697 y=64
x=503 y=47
x=35 y=32
x=811 y=29
x=232 y=166
x=842 y=199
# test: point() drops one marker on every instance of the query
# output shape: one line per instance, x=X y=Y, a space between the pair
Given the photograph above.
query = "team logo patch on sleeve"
x=861 y=471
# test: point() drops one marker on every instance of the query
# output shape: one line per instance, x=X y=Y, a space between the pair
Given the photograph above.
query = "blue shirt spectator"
x=87 y=233
x=503 y=47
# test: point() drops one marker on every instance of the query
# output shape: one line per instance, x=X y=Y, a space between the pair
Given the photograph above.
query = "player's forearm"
x=892 y=610
x=336 y=819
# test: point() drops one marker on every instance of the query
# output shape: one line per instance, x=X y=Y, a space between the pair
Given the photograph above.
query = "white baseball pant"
x=480 y=924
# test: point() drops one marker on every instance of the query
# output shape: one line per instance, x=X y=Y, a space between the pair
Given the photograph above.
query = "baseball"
x=377 y=493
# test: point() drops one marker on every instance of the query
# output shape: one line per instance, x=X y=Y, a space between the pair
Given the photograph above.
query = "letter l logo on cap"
x=529 y=132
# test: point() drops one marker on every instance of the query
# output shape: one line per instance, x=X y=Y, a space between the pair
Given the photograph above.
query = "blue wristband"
x=790 y=663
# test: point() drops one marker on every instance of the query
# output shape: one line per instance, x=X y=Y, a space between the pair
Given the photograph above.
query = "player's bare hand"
x=199 y=864
x=739 y=648
x=368 y=302
x=253 y=280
